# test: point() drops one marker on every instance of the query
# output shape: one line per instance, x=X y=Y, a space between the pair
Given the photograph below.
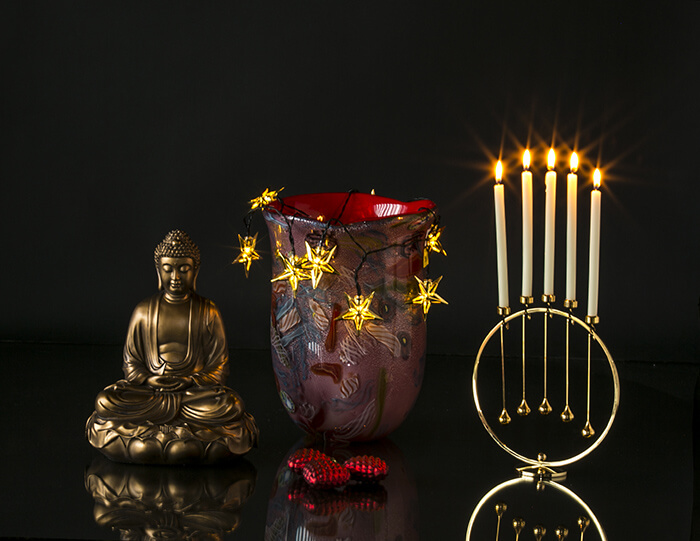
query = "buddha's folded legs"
x=211 y=405
x=137 y=404
x=214 y=405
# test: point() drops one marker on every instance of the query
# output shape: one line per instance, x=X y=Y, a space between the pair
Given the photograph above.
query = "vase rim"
x=355 y=207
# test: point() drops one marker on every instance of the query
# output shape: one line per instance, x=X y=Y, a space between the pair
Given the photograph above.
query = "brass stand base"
x=541 y=473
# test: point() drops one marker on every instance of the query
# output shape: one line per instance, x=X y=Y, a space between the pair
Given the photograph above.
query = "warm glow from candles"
x=526 y=160
x=574 y=162
x=499 y=172
x=550 y=159
x=596 y=179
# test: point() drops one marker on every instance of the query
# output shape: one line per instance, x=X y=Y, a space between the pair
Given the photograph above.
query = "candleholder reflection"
x=532 y=507
x=569 y=381
x=168 y=502
x=384 y=510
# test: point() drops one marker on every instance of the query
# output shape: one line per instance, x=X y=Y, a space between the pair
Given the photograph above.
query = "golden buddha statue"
x=172 y=407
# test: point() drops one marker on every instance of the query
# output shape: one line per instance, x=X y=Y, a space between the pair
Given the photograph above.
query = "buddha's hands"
x=168 y=383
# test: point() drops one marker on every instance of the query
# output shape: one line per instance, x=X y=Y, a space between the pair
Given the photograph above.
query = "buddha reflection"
x=172 y=405
x=169 y=502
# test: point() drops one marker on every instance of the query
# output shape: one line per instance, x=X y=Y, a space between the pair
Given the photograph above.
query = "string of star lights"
x=294 y=270
x=248 y=253
x=358 y=310
x=267 y=197
x=317 y=261
x=432 y=243
x=428 y=294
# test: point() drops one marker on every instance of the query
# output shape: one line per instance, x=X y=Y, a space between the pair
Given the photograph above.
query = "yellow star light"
x=293 y=271
x=318 y=261
x=267 y=197
x=432 y=243
x=248 y=253
x=428 y=295
x=358 y=310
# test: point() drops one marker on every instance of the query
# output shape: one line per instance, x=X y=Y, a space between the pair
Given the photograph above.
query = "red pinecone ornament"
x=325 y=474
x=301 y=457
x=367 y=468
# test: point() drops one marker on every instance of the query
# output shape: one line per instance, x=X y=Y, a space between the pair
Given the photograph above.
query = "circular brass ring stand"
x=616 y=384
x=519 y=480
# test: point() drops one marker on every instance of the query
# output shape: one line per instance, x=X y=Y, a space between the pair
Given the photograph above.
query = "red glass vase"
x=332 y=378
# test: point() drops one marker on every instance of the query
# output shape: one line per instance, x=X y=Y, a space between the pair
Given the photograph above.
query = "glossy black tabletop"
x=638 y=483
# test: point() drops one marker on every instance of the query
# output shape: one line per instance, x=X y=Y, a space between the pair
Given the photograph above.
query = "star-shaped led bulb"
x=358 y=310
x=248 y=253
x=293 y=271
x=428 y=294
x=317 y=262
x=432 y=243
x=267 y=197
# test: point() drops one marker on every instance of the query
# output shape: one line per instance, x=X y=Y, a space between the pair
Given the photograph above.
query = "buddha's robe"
x=131 y=407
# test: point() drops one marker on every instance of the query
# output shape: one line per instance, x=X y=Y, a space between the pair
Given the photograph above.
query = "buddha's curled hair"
x=177 y=244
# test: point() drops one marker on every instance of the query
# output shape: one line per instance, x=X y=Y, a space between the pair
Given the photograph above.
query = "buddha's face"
x=177 y=276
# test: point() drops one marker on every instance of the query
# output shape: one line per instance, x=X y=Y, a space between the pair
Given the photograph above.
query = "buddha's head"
x=177 y=263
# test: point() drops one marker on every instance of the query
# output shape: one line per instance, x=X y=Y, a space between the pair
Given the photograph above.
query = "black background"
x=121 y=121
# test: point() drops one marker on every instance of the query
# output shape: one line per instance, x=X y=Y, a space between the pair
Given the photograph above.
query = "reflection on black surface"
x=161 y=502
x=387 y=510
x=528 y=507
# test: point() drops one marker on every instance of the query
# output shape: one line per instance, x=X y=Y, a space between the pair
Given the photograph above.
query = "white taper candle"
x=550 y=183
x=571 y=202
x=526 y=178
x=501 y=247
x=594 y=253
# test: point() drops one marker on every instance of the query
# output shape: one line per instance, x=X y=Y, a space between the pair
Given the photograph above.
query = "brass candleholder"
x=545 y=408
x=567 y=415
x=542 y=467
x=588 y=430
x=509 y=510
x=504 y=418
x=524 y=408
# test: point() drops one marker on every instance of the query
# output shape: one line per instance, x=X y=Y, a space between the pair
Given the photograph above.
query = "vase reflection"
x=384 y=510
x=145 y=502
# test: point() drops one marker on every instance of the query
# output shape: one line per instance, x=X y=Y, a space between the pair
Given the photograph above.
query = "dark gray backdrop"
x=121 y=121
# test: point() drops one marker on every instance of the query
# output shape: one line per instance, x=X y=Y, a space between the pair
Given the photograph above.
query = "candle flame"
x=574 y=162
x=550 y=159
x=499 y=172
x=526 y=160
x=372 y=192
x=596 y=179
